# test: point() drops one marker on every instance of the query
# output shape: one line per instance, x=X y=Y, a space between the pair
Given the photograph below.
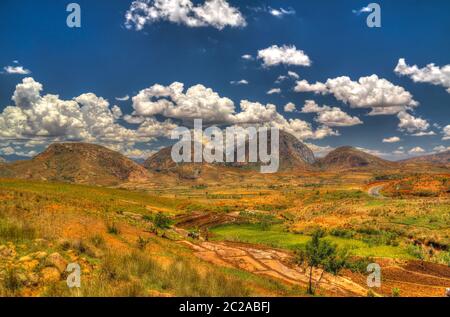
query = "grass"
x=139 y=274
x=276 y=237
x=16 y=231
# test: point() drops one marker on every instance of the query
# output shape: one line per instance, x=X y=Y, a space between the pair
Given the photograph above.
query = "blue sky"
x=108 y=57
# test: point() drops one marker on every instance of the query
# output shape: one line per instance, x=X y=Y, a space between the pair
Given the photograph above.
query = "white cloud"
x=117 y=112
x=319 y=151
x=416 y=150
x=373 y=152
x=367 y=92
x=435 y=75
x=411 y=124
x=293 y=75
x=16 y=70
x=239 y=82
x=441 y=148
x=362 y=10
x=274 y=91
x=335 y=117
x=7 y=151
x=393 y=139
x=279 y=13
x=287 y=55
x=124 y=98
x=281 y=78
x=311 y=106
x=446 y=131
x=138 y=153
x=131 y=119
x=289 y=107
x=330 y=116
x=198 y=102
x=304 y=86
x=259 y=114
x=247 y=57
x=86 y=117
x=215 y=13
x=424 y=133
x=151 y=128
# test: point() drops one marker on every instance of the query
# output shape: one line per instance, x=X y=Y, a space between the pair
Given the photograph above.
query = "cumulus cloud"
x=373 y=152
x=305 y=86
x=393 y=139
x=330 y=116
x=87 y=117
x=198 y=102
x=424 y=133
x=215 y=13
x=289 y=107
x=411 y=124
x=446 y=131
x=124 y=98
x=239 y=82
x=286 y=55
x=319 y=151
x=367 y=92
x=16 y=70
x=256 y=113
x=335 y=117
x=435 y=75
x=311 y=106
x=274 y=91
x=441 y=148
x=416 y=150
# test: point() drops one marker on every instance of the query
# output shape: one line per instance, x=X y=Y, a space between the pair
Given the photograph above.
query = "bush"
x=162 y=221
x=112 y=228
x=395 y=292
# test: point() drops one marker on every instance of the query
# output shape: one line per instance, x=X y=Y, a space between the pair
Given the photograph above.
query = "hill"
x=78 y=163
x=292 y=153
x=435 y=159
x=347 y=157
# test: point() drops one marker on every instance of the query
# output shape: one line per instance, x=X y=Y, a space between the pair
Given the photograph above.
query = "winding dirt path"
x=375 y=191
x=272 y=263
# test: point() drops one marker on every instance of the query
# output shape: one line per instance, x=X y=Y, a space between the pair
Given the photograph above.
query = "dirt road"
x=375 y=191
x=272 y=263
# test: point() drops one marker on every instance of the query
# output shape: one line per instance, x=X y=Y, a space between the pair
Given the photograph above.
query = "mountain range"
x=86 y=163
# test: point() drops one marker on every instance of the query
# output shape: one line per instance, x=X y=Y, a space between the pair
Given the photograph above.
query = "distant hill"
x=292 y=153
x=2 y=160
x=78 y=163
x=347 y=157
x=435 y=159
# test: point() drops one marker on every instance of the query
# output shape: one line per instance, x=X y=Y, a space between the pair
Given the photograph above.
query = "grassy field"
x=106 y=231
x=111 y=232
x=278 y=238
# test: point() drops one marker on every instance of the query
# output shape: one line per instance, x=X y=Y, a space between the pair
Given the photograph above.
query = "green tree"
x=321 y=254
x=161 y=221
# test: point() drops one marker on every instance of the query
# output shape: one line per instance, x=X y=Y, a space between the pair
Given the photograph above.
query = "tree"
x=161 y=221
x=321 y=254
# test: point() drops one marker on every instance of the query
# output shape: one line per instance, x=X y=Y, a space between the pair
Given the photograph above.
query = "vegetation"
x=321 y=254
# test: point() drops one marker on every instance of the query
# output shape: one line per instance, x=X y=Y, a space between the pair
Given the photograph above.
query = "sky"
x=135 y=70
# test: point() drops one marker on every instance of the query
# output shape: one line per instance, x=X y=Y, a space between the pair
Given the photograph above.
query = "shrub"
x=112 y=228
x=161 y=221
x=395 y=292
